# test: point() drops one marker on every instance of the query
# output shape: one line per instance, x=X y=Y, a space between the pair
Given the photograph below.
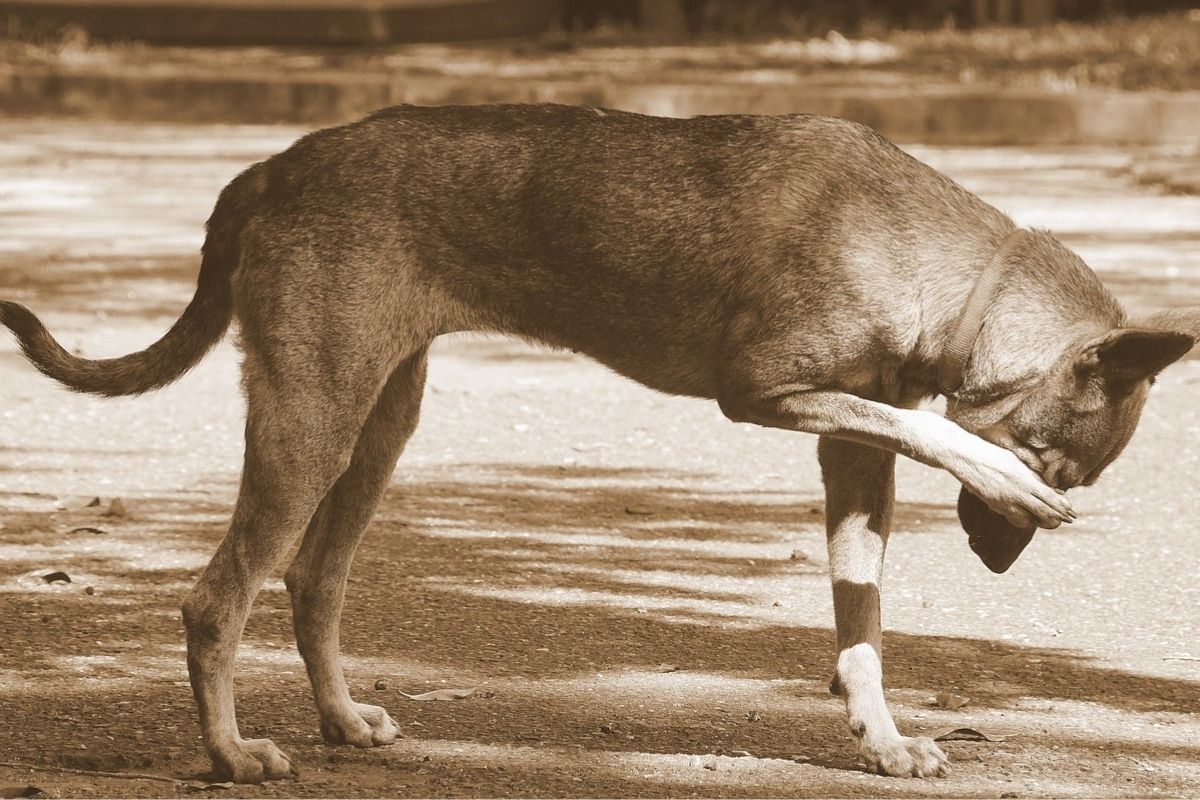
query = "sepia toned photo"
x=517 y=398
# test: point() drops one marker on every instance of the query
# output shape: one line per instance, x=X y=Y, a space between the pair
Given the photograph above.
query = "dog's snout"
x=1063 y=475
x=1059 y=475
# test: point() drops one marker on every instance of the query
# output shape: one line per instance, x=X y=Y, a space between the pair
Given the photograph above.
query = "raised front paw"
x=1011 y=489
x=907 y=757
x=252 y=761
x=360 y=725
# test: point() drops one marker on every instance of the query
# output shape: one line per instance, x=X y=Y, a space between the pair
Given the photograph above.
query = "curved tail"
x=196 y=331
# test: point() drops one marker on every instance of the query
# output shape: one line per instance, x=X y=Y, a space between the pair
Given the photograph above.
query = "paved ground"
x=556 y=535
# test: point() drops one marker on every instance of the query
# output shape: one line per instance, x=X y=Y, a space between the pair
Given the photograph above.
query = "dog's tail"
x=199 y=328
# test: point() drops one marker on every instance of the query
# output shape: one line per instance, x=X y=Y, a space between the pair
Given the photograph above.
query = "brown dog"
x=800 y=270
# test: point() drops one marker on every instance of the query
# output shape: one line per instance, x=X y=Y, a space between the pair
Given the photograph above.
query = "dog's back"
x=572 y=226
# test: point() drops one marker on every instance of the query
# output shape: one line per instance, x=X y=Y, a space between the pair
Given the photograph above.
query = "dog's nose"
x=1059 y=476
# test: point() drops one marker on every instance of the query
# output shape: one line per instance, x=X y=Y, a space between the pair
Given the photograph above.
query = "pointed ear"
x=1127 y=355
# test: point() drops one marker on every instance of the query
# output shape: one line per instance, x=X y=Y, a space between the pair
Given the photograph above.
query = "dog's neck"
x=1047 y=301
x=959 y=345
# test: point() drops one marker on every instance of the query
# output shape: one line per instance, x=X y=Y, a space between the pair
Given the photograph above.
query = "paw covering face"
x=1088 y=408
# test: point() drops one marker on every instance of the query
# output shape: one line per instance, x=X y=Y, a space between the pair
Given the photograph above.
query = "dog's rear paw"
x=360 y=725
x=908 y=757
x=252 y=761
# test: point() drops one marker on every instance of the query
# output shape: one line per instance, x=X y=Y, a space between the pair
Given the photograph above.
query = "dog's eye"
x=1036 y=445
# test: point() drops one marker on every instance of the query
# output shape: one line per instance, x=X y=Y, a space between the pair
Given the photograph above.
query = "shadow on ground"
x=564 y=592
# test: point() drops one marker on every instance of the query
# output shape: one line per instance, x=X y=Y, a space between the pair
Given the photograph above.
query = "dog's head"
x=1072 y=424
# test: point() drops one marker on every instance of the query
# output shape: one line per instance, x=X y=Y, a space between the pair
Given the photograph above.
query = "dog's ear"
x=1125 y=356
x=993 y=538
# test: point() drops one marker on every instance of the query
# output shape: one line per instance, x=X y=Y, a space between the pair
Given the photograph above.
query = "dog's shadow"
x=603 y=612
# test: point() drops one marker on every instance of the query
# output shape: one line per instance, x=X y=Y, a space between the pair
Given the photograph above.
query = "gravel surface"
x=636 y=585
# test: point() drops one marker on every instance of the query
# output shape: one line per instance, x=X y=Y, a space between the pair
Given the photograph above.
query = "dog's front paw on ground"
x=252 y=761
x=360 y=725
x=908 y=757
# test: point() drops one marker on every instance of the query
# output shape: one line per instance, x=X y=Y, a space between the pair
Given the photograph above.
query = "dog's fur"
x=800 y=270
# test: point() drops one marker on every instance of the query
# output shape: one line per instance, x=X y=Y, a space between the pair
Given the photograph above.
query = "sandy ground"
x=636 y=585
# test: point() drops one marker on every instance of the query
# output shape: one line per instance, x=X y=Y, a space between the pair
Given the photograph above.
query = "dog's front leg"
x=993 y=474
x=859 y=492
x=859 y=438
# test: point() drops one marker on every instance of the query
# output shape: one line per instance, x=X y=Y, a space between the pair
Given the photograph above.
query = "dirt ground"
x=635 y=585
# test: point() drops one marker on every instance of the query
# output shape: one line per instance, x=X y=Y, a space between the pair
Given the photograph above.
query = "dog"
x=802 y=271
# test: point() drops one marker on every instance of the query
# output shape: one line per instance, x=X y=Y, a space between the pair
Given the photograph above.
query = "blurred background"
x=979 y=71
x=381 y=21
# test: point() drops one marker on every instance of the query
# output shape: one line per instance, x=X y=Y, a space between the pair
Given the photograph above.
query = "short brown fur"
x=801 y=271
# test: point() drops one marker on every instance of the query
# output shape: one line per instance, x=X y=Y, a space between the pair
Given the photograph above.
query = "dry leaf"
x=441 y=694
x=75 y=503
x=116 y=508
x=968 y=735
x=667 y=668
x=950 y=700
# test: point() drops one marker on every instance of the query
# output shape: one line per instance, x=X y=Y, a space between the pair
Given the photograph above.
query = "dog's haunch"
x=994 y=539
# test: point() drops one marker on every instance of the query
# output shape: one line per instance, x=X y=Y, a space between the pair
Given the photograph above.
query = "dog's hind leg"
x=859 y=496
x=302 y=424
x=317 y=576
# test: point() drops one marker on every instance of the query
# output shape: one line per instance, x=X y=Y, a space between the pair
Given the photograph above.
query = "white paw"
x=1008 y=487
x=907 y=757
x=360 y=725
x=252 y=761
